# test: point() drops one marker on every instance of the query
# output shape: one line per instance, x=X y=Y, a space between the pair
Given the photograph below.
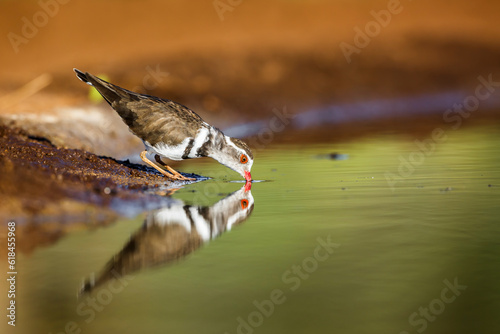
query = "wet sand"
x=55 y=189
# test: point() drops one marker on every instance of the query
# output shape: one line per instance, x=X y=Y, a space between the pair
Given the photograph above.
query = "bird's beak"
x=248 y=176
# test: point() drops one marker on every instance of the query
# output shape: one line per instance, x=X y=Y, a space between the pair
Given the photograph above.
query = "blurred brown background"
x=235 y=61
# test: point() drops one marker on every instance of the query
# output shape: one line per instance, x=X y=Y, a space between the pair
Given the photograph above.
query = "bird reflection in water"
x=173 y=232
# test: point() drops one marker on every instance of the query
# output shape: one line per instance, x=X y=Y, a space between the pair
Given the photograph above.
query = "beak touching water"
x=248 y=176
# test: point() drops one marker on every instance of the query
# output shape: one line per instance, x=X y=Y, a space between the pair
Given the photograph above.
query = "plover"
x=171 y=130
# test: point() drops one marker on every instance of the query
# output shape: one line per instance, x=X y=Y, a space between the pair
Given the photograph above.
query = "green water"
x=394 y=250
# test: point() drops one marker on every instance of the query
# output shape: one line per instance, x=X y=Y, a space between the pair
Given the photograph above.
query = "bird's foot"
x=175 y=174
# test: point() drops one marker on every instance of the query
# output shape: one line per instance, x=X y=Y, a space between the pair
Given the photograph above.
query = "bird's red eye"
x=243 y=159
x=244 y=204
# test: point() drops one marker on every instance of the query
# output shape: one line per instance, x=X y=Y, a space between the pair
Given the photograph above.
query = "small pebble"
x=338 y=156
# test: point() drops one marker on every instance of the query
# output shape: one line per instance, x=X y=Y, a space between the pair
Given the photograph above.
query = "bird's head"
x=237 y=156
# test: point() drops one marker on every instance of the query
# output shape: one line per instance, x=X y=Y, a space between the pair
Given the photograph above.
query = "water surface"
x=329 y=246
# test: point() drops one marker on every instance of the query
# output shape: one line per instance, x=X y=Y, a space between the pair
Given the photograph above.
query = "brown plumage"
x=150 y=118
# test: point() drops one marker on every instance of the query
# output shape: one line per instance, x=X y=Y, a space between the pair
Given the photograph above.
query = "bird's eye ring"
x=243 y=159
x=244 y=204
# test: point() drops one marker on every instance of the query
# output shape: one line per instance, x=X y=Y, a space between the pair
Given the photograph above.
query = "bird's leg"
x=155 y=166
x=152 y=164
x=175 y=173
x=170 y=169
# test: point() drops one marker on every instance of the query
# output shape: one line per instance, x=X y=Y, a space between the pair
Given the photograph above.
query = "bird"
x=171 y=130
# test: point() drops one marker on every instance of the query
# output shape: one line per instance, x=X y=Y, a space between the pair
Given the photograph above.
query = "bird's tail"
x=82 y=76
x=108 y=91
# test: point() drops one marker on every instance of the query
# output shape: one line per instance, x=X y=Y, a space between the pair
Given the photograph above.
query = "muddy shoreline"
x=35 y=176
x=49 y=191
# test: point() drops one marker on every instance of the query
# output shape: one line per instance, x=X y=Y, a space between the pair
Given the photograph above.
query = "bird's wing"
x=156 y=120
x=152 y=119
